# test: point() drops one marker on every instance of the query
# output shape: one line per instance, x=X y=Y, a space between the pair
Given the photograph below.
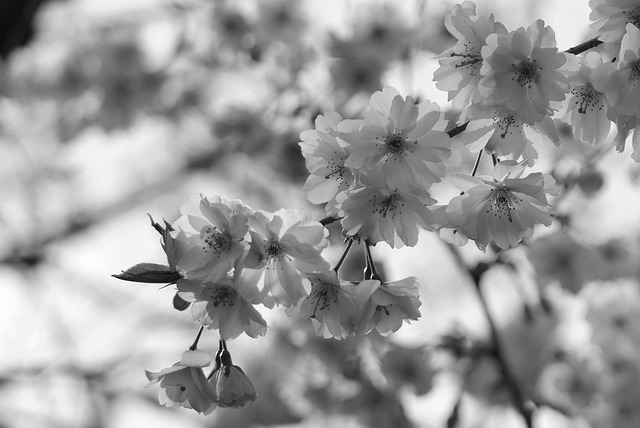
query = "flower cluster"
x=376 y=171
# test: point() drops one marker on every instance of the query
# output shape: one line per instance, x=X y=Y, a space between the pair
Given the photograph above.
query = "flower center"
x=322 y=297
x=395 y=141
x=274 y=250
x=633 y=16
x=469 y=61
x=635 y=72
x=506 y=122
x=502 y=203
x=391 y=205
x=587 y=98
x=526 y=72
x=216 y=241
x=220 y=295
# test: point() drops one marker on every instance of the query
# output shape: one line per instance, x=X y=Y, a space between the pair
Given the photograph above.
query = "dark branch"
x=583 y=47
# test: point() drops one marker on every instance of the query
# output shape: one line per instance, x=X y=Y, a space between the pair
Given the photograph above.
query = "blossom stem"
x=344 y=255
x=583 y=47
x=328 y=220
x=495 y=160
x=194 y=346
x=475 y=165
x=370 y=271
x=523 y=405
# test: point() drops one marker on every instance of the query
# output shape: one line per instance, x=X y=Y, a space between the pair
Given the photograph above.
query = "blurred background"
x=111 y=110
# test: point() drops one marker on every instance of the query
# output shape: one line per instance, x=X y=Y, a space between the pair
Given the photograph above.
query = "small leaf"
x=149 y=273
x=179 y=303
x=167 y=241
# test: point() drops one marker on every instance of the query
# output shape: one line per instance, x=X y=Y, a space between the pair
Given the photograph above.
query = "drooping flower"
x=184 y=384
x=524 y=72
x=209 y=236
x=376 y=213
x=329 y=305
x=384 y=306
x=400 y=141
x=612 y=16
x=505 y=133
x=219 y=306
x=285 y=244
x=587 y=107
x=325 y=154
x=459 y=72
x=503 y=209
x=232 y=386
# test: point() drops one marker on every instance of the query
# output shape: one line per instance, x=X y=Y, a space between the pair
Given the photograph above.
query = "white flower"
x=384 y=306
x=611 y=17
x=325 y=155
x=209 y=236
x=505 y=133
x=459 y=71
x=329 y=305
x=524 y=72
x=587 y=108
x=232 y=386
x=503 y=209
x=379 y=214
x=184 y=384
x=400 y=141
x=285 y=244
x=218 y=305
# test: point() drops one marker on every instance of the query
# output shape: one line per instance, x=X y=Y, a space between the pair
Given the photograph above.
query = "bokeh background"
x=112 y=109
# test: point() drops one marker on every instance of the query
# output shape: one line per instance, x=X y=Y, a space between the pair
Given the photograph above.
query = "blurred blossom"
x=353 y=69
x=411 y=367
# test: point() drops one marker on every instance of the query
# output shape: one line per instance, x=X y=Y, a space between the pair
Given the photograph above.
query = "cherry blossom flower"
x=587 y=108
x=218 y=305
x=524 y=72
x=378 y=214
x=403 y=142
x=384 y=306
x=623 y=90
x=329 y=305
x=232 y=386
x=285 y=244
x=325 y=154
x=612 y=16
x=184 y=384
x=209 y=236
x=503 y=209
x=459 y=72
x=505 y=133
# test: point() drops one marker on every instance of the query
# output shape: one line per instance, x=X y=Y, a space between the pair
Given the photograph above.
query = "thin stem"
x=344 y=255
x=495 y=160
x=194 y=346
x=370 y=271
x=522 y=404
x=475 y=165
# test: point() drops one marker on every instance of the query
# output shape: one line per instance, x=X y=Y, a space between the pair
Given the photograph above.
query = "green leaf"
x=149 y=273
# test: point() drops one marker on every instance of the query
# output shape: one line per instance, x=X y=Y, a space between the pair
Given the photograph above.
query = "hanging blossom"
x=209 y=236
x=184 y=384
x=385 y=306
x=505 y=133
x=612 y=16
x=503 y=209
x=329 y=305
x=400 y=141
x=524 y=72
x=376 y=213
x=325 y=154
x=284 y=245
x=231 y=385
x=623 y=91
x=587 y=106
x=219 y=306
x=459 y=72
